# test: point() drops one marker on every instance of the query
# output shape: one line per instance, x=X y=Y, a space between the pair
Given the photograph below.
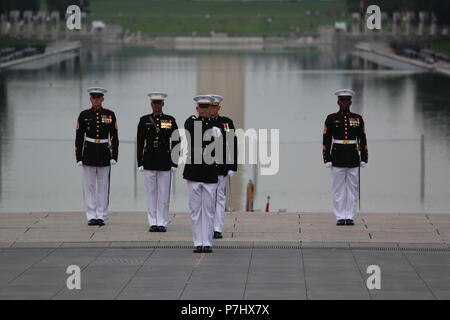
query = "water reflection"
x=225 y=76
x=4 y=128
x=434 y=102
x=290 y=90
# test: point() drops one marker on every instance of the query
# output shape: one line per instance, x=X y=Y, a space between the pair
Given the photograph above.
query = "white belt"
x=96 y=140
x=344 y=141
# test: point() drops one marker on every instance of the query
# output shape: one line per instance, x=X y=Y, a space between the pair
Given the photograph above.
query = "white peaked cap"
x=216 y=98
x=157 y=95
x=97 y=90
x=203 y=99
x=345 y=93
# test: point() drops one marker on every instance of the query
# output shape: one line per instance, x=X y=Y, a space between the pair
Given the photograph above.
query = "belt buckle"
x=97 y=140
x=346 y=141
x=155 y=144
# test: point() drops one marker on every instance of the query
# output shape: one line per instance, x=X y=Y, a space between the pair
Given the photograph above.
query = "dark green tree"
x=440 y=8
x=21 y=5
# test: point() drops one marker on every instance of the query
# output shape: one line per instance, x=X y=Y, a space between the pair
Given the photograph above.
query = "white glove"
x=363 y=164
x=231 y=173
x=141 y=169
x=173 y=169
x=113 y=162
x=328 y=165
x=217 y=132
x=79 y=163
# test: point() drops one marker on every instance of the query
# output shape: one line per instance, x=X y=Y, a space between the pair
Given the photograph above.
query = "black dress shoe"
x=341 y=222
x=207 y=249
x=153 y=229
x=92 y=222
x=162 y=229
x=349 y=222
x=100 y=222
x=198 y=249
x=217 y=235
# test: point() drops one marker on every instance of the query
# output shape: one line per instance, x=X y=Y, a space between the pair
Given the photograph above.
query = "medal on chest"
x=166 y=124
x=354 y=122
x=107 y=119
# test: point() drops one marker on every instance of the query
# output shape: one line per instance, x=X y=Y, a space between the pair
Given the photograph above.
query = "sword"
x=359 y=175
x=230 y=197
x=170 y=189
x=109 y=183
x=359 y=186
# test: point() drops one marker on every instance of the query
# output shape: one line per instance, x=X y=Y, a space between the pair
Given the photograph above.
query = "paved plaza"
x=288 y=256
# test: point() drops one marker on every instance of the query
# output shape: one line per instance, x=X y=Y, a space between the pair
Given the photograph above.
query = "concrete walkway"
x=287 y=256
x=52 y=49
x=62 y=229
x=382 y=49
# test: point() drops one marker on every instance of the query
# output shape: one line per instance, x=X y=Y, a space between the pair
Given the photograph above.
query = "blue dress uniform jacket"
x=206 y=173
x=230 y=157
x=153 y=142
x=99 y=125
x=345 y=126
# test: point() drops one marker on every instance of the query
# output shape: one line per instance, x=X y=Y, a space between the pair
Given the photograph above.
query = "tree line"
x=440 y=8
x=35 y=5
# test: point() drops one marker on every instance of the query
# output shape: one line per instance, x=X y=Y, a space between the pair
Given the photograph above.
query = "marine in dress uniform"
x=229 y=166
x=201 y=177
x=96 y=149
x=154 y=147
x=345 y=151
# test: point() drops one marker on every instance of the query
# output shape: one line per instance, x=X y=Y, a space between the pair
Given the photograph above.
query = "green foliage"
x=441 y=8
x=438 y=45
x=21 y=5
x=6 y=42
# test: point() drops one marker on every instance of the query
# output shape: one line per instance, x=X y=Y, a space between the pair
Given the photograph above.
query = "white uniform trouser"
x=202 y=198
x=220 y=204
x=97 y=201
x=345 y=192
x=157 y=186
